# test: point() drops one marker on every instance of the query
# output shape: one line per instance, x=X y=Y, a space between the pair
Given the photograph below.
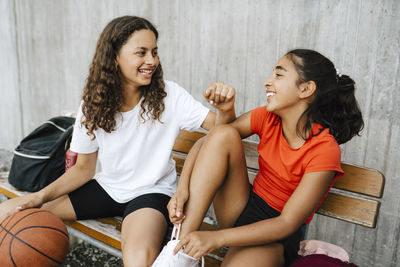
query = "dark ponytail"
x=334 y=105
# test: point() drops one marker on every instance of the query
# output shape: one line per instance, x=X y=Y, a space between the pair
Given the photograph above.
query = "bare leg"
x=263 y=256
x=61 y=207
x=141 y=237
x=219 y=174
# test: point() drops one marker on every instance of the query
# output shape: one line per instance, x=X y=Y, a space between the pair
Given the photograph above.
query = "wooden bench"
x=354 y=198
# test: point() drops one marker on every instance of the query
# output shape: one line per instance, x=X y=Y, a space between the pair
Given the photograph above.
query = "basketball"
x=33 y=237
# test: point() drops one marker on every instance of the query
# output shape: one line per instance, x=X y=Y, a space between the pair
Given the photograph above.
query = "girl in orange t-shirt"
x=311 y=110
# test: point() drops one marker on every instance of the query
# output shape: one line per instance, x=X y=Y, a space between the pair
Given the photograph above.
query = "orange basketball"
x=33 y=237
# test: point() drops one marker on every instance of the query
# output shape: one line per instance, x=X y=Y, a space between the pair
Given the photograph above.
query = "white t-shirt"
x=136 y=158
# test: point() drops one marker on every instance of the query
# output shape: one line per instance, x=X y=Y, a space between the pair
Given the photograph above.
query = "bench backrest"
x=354 y=198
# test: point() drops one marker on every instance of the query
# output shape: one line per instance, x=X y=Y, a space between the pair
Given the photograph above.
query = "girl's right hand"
x=11 y=206
x=175 y=206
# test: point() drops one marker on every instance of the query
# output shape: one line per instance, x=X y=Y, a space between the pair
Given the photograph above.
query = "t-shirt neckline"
x=135 y=108
x=315 y=129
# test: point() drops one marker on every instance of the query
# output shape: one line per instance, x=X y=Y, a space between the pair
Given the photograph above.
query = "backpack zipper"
x=41 y=157
x=30 y=156
x=55 y=125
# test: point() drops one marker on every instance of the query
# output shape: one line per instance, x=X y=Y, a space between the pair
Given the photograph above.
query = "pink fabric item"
x=308 y=247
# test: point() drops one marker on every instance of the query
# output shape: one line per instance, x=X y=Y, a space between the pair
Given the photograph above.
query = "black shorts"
x=91 y=201
x=257 y=210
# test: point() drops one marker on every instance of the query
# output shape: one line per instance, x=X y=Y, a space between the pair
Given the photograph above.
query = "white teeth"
x=146 y=71
x=270 y=94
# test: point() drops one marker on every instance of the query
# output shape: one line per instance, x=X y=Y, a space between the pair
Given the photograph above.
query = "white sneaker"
x=181 y=259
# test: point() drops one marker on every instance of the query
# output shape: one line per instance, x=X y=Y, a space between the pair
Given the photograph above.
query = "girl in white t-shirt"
x=129 y=119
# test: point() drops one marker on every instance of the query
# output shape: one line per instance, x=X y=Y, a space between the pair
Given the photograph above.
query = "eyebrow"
x=145 y=48
x=280 y=68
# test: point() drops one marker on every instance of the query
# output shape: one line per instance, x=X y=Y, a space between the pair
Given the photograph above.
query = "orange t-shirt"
x=282 y=167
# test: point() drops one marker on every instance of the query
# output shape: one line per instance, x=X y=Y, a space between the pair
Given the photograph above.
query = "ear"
x=116 y=60
x=307 y=89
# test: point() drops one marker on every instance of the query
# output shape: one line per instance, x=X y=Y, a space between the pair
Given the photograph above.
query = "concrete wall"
x=46 y=47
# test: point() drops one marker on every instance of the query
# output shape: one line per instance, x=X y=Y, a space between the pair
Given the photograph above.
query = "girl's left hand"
x=199 y=243
x=221 y=96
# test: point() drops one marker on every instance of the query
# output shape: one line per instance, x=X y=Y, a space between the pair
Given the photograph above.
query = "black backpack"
x=40 y=157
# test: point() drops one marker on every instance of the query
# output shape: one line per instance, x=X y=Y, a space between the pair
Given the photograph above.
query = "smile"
x=146 y=71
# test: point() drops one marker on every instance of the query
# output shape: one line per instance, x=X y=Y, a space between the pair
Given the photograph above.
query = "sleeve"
x=191 y=113
x=257 y=119
x=326 y=157
x=81 y=142
x=261 y=120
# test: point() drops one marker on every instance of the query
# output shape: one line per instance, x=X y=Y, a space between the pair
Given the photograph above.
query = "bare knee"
x=224 y=134
x=139 y=255
x=141 y=237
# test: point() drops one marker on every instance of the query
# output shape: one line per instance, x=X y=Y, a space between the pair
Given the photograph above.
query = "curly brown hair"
x=103 y=93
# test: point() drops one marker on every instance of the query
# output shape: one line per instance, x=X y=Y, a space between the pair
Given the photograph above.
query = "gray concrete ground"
x=85 y=255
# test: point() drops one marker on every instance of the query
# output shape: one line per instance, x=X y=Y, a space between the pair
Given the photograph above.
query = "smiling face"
x=138 y=59
x=283 y=90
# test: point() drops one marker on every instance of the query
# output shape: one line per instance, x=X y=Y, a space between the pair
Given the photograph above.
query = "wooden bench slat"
x=361 y=180
x=186 y=140
x=116 y=222
x=7 y=193
x=179 y=161
x=97 y=234
x=350 y=209
x=251 y=153
x=7 y=189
